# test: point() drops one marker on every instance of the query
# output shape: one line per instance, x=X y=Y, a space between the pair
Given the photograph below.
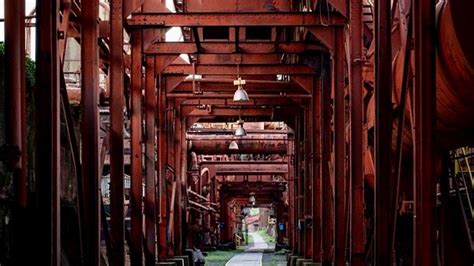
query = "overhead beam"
x=244 y=70
x=246 y=168
x=230 y=96
x=266 y=47
x=219 y=111
x=153 y=20
x=242 y=59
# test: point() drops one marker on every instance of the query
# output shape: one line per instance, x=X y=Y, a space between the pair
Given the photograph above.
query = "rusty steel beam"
x=248 y=168
x=244 y=70
x=16 y=92
x=383 y=133
x=91 y=171
x=242 y=59
x=357 y=257
x=328 y=210
x=150 y=178
x=117 y=226
x=308 y=185
x=339 y=150
x=229 y=87
x=265 y=47
x=202 y=19
x=48 y=144
x=424 y=107
x=228 y=95
x=136 y=217
x=161 y=207
x=317 y=174
x=219 y=144
x=218 y=111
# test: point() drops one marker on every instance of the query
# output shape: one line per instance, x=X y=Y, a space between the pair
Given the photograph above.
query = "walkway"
x=252 y=256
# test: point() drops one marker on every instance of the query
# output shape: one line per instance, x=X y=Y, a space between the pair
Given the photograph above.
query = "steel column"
x=47 y=134
x=357 y=152
x=383 y=133
x=136 y=199
x=424 y=99
x=327 y=194
x=317 y=178
x=16 y=92
x=117 y=226
x=339 y=151
x=308 y=182
x=162 y=206
x=150 y=178
x=91 y=172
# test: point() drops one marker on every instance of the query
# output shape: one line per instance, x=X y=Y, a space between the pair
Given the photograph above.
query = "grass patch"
x=220 y=257
x=250 y=239
x=268 y=238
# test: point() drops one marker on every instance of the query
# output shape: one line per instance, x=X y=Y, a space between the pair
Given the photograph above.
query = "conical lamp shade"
x=240 y=95
x=233 y=146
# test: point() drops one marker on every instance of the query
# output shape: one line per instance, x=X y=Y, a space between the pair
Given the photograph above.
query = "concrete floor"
x=252 y=256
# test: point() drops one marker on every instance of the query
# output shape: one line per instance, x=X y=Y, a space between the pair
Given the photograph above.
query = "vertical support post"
x=90 y=130
x=357 y=152
x=317 y=179
x=162 y=211
x=16 y=92
x=117 y=227
x=383 y=132
x=136 y=216
x=339 y=151
x=47 y=134
x=424 y=237
x=150 y=179
x=308 y=184
x=327 y=207
x=291 y=194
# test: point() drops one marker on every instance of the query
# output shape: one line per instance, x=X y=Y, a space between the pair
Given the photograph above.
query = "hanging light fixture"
x=240 y=94
x=240 y=131
x=233 y=146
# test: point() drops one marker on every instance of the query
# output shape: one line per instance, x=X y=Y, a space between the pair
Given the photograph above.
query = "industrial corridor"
x=237 y=132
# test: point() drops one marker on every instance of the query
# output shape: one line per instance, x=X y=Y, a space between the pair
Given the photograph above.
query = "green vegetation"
x=220 y=257
x=268 y=238
x=250 y=239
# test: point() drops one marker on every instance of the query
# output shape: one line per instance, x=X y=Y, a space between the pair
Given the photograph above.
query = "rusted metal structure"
x=358 y=130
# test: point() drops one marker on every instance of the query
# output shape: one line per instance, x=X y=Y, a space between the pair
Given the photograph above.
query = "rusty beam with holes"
x=150 y=177
x=242 y=59
x=264 y=47
x=203 y=19
x=136 y=199
x=244 y=70
x=247 y=168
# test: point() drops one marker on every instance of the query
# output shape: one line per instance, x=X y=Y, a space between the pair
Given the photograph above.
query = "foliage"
x=268 y=238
